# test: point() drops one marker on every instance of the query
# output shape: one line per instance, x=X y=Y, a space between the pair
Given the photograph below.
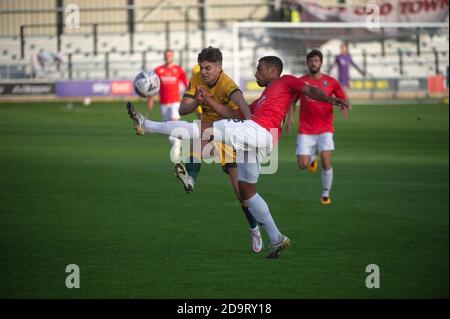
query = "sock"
x=175 y=151
x=327 y=181
x=193 y=165
x=174 y=141
x=251 y=220
x=260 y=211
x=175 y=129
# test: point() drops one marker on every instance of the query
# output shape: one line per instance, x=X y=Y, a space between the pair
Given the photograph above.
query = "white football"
x=146 y=83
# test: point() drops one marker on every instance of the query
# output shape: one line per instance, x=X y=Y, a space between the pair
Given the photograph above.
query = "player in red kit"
x=316 y=129
x=170 y=75
x=251 y=138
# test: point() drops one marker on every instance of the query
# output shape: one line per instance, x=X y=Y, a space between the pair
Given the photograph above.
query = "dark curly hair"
x=273 y=61
x=313 y=53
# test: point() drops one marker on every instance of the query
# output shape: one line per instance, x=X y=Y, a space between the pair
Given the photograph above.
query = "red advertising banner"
x=389 y=11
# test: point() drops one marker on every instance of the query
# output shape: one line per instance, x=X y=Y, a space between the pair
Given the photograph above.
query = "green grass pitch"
x=78 y=187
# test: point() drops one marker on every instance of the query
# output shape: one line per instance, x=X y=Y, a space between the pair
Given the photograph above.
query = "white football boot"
x=277 y=248
x=257 y=241
x=187 y=180
x=138 y=119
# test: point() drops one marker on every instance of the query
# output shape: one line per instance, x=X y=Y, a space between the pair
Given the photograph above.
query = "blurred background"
x=400 y=48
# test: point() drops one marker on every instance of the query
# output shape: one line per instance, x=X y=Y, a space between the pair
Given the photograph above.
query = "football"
x=146 y=83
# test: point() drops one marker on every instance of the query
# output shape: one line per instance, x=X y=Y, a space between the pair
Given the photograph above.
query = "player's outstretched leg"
x=178 y=129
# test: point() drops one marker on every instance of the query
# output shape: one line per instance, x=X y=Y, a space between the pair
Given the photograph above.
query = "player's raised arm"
x=319 y=95
x=221 y=109
x=238 y=98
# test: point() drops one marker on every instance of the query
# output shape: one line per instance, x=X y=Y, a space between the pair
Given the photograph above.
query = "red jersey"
x=272 y=106
x=170 y=78
x=317 y=117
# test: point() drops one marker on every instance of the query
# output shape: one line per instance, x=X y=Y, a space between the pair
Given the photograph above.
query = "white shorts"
x=248 y=172
x=169 y=112
x=309 y=144
x=251 y=142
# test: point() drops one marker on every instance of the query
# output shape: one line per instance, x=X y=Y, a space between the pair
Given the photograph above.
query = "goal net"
x=395 y=58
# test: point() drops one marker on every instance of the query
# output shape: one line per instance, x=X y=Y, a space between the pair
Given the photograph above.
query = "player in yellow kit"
x=224 y=90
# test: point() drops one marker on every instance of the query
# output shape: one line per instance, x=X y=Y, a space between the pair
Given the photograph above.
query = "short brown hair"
x=210 y=54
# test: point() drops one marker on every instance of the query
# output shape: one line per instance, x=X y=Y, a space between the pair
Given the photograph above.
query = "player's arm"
x=339 y=92
x=238 y=98
x=187 y=105
x=319 y=95
x=290 y=118
x=189 y=102
x=223 y=110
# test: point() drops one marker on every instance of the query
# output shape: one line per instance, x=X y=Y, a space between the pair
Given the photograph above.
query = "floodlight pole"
x=236 y=62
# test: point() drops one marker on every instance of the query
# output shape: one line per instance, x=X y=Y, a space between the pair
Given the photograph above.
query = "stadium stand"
x=102 y=48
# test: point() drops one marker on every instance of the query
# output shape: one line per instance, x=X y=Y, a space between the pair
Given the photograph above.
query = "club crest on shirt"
x=325 y=83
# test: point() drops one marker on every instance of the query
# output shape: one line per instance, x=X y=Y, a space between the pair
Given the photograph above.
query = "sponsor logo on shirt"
x=168 y=79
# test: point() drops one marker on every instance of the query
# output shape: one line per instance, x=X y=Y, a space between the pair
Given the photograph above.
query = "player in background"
x=171 y=76
x=315 y=128
x=344 y=61
x=253 y=137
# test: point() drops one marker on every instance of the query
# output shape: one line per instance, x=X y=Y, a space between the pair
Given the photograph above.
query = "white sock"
x=327 y=181
x=175 y=129
x=260 y=211
x=175 y=151
x=175 y=141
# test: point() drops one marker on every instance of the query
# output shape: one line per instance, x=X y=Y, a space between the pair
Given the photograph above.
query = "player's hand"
x=343 y=105
x=203 y=91
x=202 y=95
x=200 y=99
